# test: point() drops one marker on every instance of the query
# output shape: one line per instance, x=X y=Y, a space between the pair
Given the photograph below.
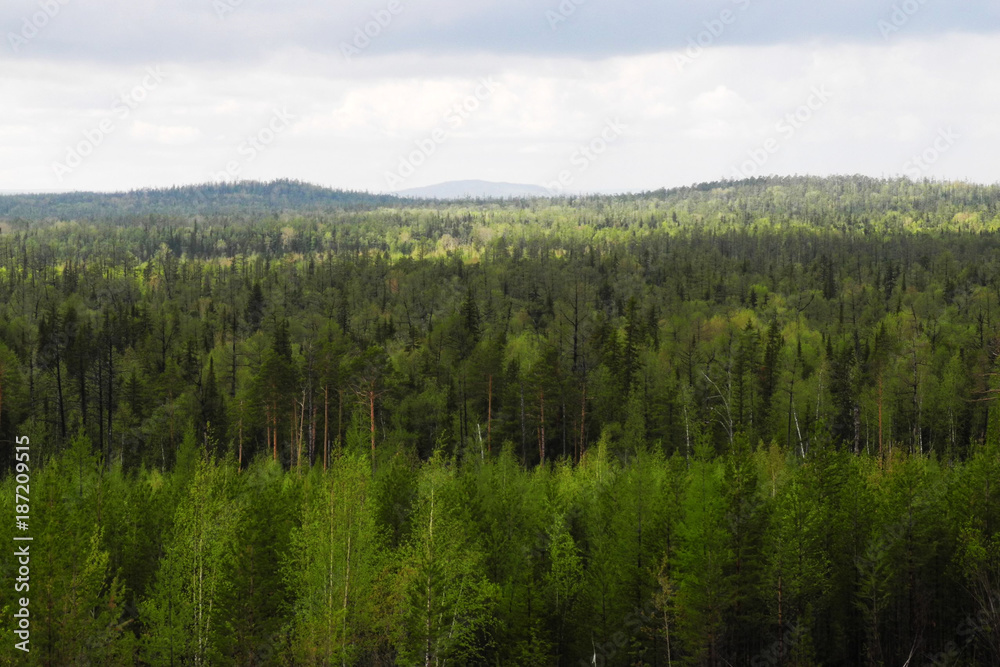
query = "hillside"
x=242 y=198
x=829 y=201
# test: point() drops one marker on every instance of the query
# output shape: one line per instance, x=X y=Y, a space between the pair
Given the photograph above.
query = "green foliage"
x=186 y=617
x=735 y=423
x=333 y=566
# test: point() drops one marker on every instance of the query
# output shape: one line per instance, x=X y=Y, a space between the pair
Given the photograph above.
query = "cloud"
x=168 y=135
x=254 y=30
x=355 y=119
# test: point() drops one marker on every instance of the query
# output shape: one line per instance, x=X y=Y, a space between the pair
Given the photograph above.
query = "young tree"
x=186 y=620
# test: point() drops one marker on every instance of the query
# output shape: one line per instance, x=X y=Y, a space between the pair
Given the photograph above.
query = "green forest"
x=739 y=423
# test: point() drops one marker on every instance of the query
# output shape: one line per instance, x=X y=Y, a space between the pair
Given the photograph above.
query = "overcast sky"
x=601 y=95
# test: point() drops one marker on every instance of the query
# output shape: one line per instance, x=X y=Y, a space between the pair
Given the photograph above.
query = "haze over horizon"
x=576 y=95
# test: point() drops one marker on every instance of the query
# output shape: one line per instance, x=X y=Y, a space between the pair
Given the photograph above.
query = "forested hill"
x=838 y=198
x=245 y=198
x=839 y=202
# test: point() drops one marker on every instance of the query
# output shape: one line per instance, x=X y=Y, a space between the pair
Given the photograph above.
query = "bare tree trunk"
x=802 y=447
x=302 y=419
x=857 y=429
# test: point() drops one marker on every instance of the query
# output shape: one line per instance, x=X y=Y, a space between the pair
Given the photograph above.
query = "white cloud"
x=169 y=135
x=354 y=122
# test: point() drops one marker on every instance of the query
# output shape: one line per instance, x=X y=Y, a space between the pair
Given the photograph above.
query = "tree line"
x=755 y=557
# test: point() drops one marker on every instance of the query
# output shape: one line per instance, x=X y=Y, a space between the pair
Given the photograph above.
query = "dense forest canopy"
x=736 y=423
x=242 y=198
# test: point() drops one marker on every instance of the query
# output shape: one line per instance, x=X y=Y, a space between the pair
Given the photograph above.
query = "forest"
x=739 y=423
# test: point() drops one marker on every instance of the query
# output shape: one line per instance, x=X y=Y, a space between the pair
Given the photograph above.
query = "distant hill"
x=243 y=198
x=475 y=190
x=818 y=200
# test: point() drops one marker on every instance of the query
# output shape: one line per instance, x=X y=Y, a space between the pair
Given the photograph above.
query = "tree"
x=448 y=603
x=186 y=617
x=12 y=396
x=212 y=419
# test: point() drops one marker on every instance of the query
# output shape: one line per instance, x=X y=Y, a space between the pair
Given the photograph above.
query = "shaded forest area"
x=744 y=423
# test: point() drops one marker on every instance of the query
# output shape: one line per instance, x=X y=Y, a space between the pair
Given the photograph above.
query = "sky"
x=573 y=95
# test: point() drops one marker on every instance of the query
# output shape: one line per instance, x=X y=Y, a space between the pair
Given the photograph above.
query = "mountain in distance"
x=229 y=198
x=475 y=189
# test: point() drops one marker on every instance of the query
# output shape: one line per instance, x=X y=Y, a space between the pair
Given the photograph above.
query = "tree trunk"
x=302 y=419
